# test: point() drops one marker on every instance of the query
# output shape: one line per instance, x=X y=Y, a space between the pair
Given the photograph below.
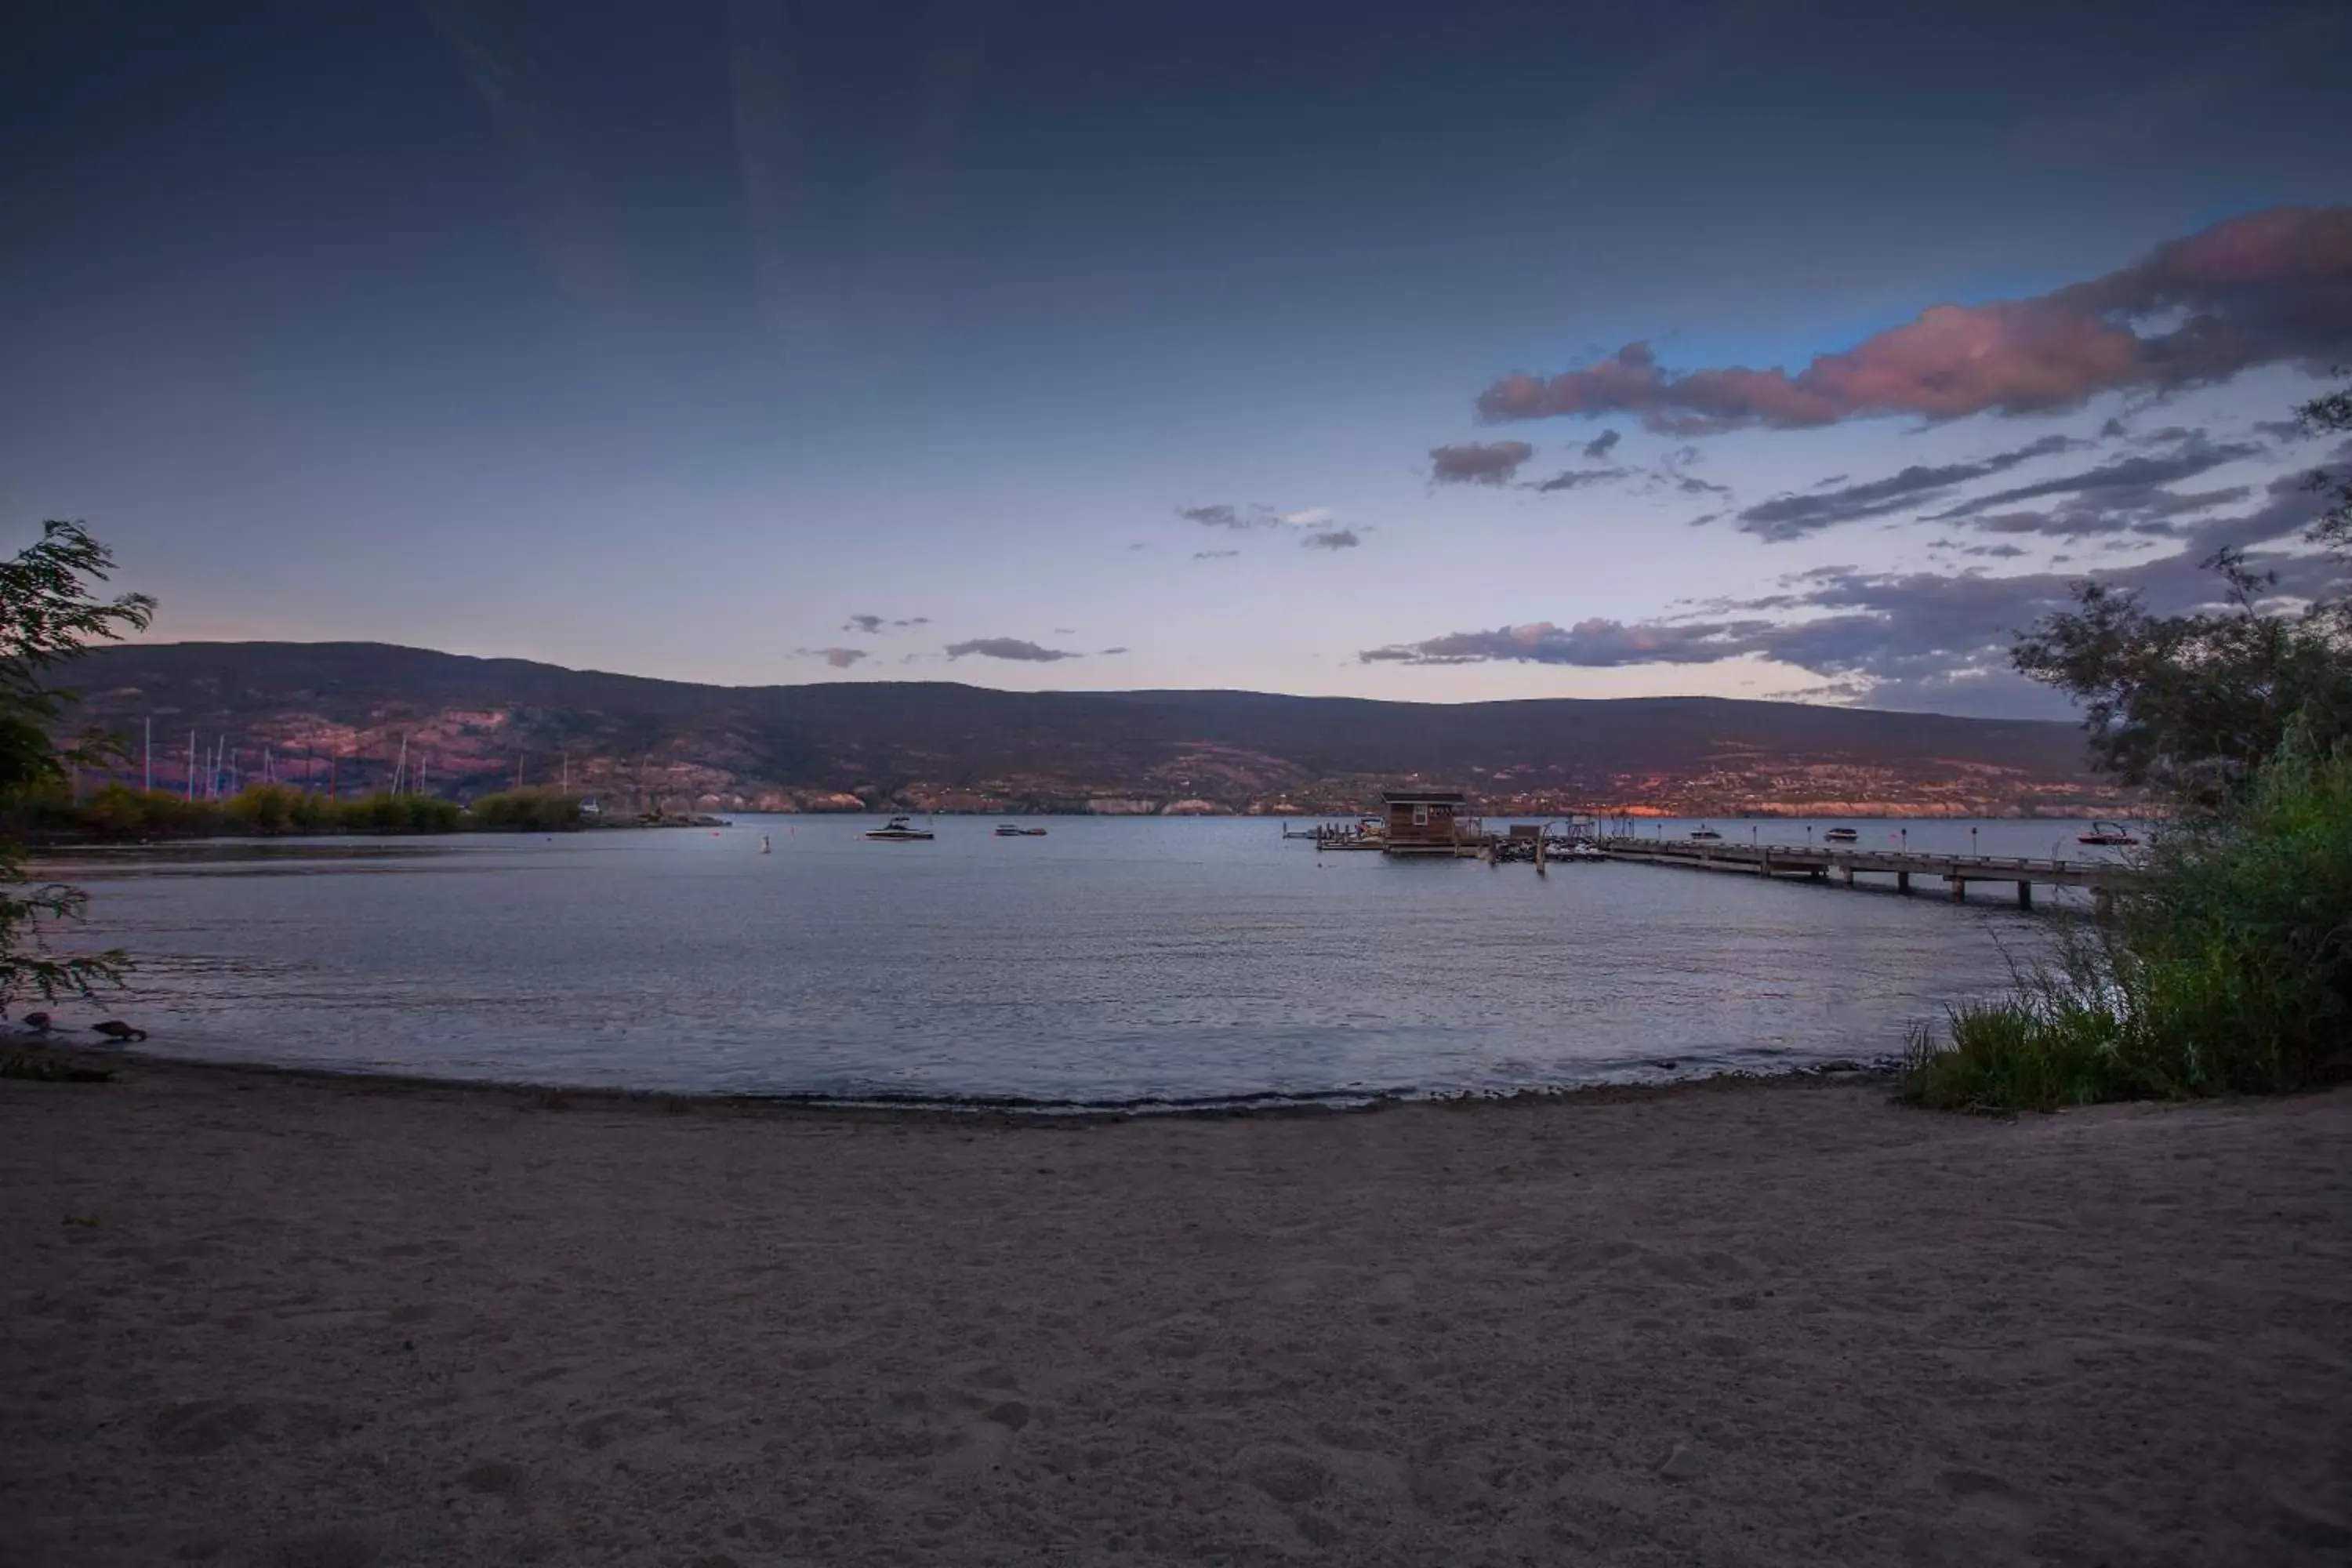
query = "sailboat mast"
x=149 y=787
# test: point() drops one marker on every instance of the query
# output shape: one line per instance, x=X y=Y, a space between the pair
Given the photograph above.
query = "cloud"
x=1215 y=554
x=913 y=621
x=1332 y=539
x=870 y=625
x=1108 y=652
x=566 y=213
x=1901 y=638
x=1577 y=478
x=1221 y=515
x=1785 y=518
x=1472 y=463
x=1600 y=445
x=1008 y=647
x=1224 y=514
x=2135 y=476
x=2273 y=288
x=1594 y=644
x=2148 y=512
x=839 y=657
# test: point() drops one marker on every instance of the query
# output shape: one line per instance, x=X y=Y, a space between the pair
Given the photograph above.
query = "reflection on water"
x=1110 y=962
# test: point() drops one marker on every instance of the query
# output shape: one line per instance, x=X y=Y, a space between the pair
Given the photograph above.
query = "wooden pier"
x=1956 y=872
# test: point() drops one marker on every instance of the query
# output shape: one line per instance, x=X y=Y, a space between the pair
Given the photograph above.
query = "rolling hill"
x=343 y=711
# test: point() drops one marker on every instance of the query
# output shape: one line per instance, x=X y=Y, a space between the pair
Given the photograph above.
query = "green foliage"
x=2229 y=971
x=47 y=614
x=116 y=814
x=526 y=811
x=2190 y=705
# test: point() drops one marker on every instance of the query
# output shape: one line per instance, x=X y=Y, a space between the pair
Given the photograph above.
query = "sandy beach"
x=278 y=1319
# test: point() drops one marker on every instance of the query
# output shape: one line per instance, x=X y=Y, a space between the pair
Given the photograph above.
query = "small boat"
x=1012 y=830
x=1583 y=849
x=1705 y=835
x=895 y=831
x=1842 y=836
x=2107 y=833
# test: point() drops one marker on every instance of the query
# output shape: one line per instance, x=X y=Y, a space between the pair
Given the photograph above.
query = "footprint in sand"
x=493 y=1478
x=332 y=1548
x=1986 y=1497
x=981 y=1446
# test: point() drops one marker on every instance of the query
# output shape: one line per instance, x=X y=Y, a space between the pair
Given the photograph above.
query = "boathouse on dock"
x=1427 y=822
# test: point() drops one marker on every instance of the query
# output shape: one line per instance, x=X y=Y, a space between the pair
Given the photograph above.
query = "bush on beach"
x=2227 y=971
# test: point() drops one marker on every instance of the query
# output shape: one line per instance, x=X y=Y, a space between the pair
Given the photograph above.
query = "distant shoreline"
x=41 y=840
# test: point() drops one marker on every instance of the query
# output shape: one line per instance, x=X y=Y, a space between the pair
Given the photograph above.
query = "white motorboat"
x=897 y=831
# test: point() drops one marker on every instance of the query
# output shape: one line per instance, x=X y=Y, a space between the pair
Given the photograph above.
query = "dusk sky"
x=1443 y=352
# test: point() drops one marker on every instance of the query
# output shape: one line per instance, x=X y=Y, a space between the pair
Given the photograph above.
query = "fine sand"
x=262 y=1319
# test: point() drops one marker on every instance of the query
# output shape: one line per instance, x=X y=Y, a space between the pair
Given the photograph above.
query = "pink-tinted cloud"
x=2269 y=289
x=1474 y=463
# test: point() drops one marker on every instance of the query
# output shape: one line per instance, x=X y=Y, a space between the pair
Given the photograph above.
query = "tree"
x=2190 y=705
x=47 y=615
x=2332 y=416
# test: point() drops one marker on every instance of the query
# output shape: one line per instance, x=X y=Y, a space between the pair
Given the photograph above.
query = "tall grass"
x=2228 y=971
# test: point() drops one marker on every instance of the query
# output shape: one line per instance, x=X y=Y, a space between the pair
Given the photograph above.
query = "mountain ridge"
x=342 y=710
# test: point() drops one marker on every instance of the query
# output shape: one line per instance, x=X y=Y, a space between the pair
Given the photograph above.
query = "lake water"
x=1114 y=962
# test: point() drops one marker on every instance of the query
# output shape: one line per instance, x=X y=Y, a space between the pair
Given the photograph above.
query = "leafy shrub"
x=2228 y=971
x=526 y=811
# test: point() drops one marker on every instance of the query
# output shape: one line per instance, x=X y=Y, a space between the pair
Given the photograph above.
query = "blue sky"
x=669 y=340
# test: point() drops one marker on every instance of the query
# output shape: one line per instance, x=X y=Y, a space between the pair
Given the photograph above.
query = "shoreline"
x=1880 y=1072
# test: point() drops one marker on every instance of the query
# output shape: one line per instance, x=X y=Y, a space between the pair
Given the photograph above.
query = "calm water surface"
x=1113 y=961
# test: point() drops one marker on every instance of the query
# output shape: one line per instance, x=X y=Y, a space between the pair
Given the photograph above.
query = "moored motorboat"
x=1842 y=836
x=1705 y=834
x=2107 y=833
x=897 y=831
x=1012 y=830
